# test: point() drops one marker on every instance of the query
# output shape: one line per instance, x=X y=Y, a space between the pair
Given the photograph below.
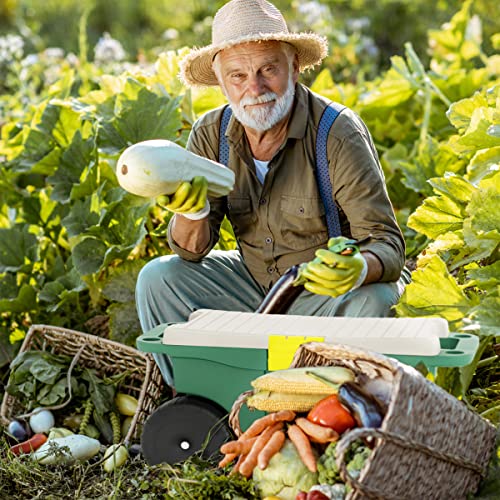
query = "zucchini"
x=158 y=167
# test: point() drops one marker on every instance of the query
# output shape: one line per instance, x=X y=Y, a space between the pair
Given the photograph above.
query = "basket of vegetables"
x=348 y=423
x=73 y=389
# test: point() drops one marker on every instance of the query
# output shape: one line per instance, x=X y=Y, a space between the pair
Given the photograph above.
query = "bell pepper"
x=330 y=412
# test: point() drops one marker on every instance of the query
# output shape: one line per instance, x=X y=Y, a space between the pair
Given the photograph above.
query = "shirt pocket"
x=303 y=222
x=242 y=216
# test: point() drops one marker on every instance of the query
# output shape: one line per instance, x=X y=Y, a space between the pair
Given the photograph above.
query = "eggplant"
x=365 y=409
x=282 y=294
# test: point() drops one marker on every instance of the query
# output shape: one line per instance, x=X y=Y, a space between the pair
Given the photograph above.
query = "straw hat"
x=241 y=21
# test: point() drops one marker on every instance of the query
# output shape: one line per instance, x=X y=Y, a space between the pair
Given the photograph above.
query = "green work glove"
x=190 y=199
x=335 y=270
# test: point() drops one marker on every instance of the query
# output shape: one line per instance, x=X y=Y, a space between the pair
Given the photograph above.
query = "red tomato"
x=329 y=412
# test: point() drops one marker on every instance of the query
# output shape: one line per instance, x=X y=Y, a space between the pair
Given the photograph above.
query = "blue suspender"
x=322 y=173
x=223 y=145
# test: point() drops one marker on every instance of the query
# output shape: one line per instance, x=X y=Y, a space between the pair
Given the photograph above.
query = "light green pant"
x=169 y=289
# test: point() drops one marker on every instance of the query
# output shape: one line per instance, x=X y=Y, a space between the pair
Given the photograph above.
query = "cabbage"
x=285 y=476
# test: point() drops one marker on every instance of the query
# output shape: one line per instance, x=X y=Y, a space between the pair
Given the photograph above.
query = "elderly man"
x=276 y=209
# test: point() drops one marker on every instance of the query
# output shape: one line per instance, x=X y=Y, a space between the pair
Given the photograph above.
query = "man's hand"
x=335 y=271
x=189 y=198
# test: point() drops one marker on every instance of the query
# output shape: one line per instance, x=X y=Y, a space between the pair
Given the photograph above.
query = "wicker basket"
x=430 y=445
x=105 y=356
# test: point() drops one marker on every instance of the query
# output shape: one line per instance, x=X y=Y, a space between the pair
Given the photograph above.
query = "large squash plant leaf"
x=139 y=115
x=16 y=245
x=434 y=292
x=437 y=215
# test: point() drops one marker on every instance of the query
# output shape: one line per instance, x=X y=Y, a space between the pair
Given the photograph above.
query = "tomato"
x=330 y=412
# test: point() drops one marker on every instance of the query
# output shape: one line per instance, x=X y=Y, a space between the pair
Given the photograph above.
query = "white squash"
x=67 y=449
x=158 y=167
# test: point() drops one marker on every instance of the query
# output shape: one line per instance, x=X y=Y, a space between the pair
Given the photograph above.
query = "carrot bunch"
x=266 y=436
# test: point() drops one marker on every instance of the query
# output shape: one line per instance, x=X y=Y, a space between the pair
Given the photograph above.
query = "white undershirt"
x=261 y=169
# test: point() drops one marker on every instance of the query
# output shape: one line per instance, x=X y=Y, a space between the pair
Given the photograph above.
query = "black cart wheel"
x=183 y=426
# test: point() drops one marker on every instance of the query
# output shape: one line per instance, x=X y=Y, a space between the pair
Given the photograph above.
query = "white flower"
x=30 y=60
x=358 y=23
x=170 y=34
x=108 y=50
x=72 y=59
x=313 y=12
x=53 y=53
x=11 y=47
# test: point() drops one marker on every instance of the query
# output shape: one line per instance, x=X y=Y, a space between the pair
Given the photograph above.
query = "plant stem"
x=490 y=410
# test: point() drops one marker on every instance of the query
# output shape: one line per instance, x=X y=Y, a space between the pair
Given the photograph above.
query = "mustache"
x=267 y=97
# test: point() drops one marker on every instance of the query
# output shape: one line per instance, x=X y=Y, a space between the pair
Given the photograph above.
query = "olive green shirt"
x=282 y=222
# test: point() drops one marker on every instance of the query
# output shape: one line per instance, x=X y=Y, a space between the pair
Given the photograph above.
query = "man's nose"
x=256 y=85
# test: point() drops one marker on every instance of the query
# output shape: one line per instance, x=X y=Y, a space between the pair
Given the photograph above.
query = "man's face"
x=259 y=82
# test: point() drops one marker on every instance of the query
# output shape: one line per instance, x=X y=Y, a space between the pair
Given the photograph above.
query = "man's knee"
x=159 y=272
x=374 y=300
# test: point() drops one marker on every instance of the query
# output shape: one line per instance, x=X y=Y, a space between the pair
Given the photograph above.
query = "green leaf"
x=434 y=292
x=120 y=285
x=46 y=371
x=24 y=301
x=486 y=313
x=88 y=255
x=16 y=245
x=139 y=115
x=124 y=323
x=102 y=395
x=460 y=113
x=486 y=277
x=391 y=92
x=476 y=136
x=64 y=290
x=482 y=163
x=443 y=246
x=81 y=217
x=74 y=162
x=437 y=215
x=482 y=226
x=454 y=187
x=434 y=159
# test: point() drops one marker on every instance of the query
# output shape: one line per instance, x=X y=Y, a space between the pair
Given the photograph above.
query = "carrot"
x=273 y=446
x=317 y=433
x=237 y=465
x=32 y=444
x=261 y=423
x=303 y=445
x=239 y=447
x=250 y=462
x=228 y=458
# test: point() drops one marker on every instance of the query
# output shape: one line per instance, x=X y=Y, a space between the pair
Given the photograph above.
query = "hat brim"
x=196 y=67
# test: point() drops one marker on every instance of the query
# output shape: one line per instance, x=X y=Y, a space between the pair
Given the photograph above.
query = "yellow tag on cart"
x=281 y=349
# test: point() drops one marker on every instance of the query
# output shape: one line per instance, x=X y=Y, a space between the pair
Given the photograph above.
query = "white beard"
x=264 y=119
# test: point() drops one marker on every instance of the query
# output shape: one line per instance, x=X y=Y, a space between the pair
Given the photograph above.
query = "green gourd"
x=158 y=167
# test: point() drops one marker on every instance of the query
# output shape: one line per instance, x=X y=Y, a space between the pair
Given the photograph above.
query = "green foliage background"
x=72 y=241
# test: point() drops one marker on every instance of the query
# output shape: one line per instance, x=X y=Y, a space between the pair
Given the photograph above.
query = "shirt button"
x=268 y=240
x=262 y=201
x=270 y=270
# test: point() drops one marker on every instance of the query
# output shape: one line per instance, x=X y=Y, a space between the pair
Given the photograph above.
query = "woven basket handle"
x=234 y=414
x=403 y=442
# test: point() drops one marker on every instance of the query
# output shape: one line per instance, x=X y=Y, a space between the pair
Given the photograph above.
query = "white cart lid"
x=403 y=336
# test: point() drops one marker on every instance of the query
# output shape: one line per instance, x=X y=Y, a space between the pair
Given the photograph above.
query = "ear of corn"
x=297 y=380
x=277 y=401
